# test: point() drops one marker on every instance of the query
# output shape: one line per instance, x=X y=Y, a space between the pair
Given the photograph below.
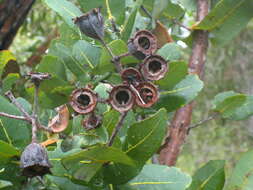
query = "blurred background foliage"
x=228 y=67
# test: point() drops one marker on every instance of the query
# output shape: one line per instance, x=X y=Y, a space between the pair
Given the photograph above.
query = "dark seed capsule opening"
x=121 y=98
x=131 y=76
x=92 y=122
x=144 y=42
x=154 y=67
x=148 y=95
x=83 y=100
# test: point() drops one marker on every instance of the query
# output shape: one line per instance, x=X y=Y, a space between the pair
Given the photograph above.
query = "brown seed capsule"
x=121 y=98
x=91 y=24
x=142 y=44
x=83 y=100
x=148 y=95
x=34 y=161
x=92 y=122
x=154 y=67
x=131 y=76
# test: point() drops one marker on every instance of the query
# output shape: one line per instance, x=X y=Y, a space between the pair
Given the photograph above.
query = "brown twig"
x=211 y=117
x=117 y=128
x=14 y=116
x=182 y=118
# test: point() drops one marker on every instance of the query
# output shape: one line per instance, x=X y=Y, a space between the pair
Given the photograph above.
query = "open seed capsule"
x=83 y=100
x=142 y=44
x=121 y=98
x=34 y=161
x=148 y=95
x=92 y=122
x=154 y=67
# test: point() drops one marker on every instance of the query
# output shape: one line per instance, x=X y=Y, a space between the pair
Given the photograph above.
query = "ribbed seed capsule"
x=143 y=43
x=154 y=67
x=91 y=24
x=148 y=95
x=34 y=161
x=83 y=100
x=131 y=76
x=121 y=98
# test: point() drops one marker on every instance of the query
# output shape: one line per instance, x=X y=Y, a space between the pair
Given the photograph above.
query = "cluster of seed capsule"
x=137 y=88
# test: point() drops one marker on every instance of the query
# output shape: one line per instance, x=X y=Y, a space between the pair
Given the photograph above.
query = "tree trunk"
x=178 y=130
x=12 y=16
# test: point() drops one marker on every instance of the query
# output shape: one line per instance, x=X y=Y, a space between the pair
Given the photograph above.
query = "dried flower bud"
x=92 y=122
x=142 y=44
x=131 y=76
x=60 y=122
x=34 y=161
x=148 y=95
x=83 y=100
x=121 y=98
x=91 y=24
x=154 y=67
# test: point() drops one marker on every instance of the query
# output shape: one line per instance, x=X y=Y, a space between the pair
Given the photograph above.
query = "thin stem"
x=14 y=116
x=14 y=101
x=117 y=128
x=34 y=131
x=35 y=120
x=211 y=117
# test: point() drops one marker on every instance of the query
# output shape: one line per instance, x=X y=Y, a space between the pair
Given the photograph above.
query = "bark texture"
x=12 y=16
x=178 y=129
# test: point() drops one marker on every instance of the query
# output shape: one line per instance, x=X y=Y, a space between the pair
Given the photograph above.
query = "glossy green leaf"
x=5 y=57
x=177 y=72
x=9 y=81
x=227 y=19
x=4 y=184
x=130 y=21
x=159 y=7
x=182 y=93
x=51 y=64
x=64 y=183
x=170 y=52
x=228 y=106
x=245 y=110
x=209 y=177
x=174 y=10
x=100 y=154
x=145 y=137
x=7 y=151
x=66 y=9
x=158 y=177
x=86 y=53
x=242 y=174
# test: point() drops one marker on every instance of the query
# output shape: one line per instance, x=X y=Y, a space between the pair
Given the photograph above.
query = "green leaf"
x=100 y=154
x=242 y=174
x=5 y=57
x=9 y=81
x=130 y=21
x=209 y=177
x=183 y=93
x=51 y=64
x=227 y=19
x=116 y=8
x=71 y=63
x=219 y=98
x=65 y=9
x=64 y=183
x=174 y=10
x=245 y=110
x=159 y=7
x=7 y=151
x=86 y=53
x=4 y=183
x=177 y=72
x=157 y=177
x=145 y=137
x=15 y=132
x=170 y=52
x=228 y=106
x=118 y=47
